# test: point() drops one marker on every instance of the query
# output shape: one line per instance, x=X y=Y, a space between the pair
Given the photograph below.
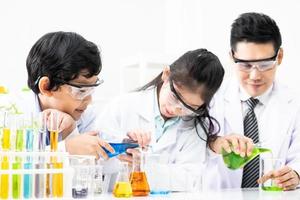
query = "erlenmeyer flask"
x=138 y=179
x=235 y=161
x=122 y=186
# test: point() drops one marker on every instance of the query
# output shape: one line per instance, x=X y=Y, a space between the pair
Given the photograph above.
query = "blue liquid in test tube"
x=27 y=181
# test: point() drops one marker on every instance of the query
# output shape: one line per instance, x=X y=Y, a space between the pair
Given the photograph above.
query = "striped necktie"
x=251 y=170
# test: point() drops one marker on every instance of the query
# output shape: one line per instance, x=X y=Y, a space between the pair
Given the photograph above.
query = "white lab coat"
x=187 y=151
x=279 y=128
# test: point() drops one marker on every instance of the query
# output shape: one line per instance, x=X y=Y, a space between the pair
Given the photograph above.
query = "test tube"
x=53 y=130
x=27 y=181
x=16 y=178
x=40 y=164
x=4 y=190
x=6 y=132
x=4 y=178
x=57 y=184
x=57 y=179
x=16 y=181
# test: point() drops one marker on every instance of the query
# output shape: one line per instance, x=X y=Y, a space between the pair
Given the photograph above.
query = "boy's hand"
x=88 y=144
x=66 y=124
x=143 y=138
x=285 y=178
x=237 y=143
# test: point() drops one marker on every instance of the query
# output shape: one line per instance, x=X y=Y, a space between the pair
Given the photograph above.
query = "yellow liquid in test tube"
x=4 y=190
x=53 y=140
x=6 y=139
x=4 y=178
x=57 y=181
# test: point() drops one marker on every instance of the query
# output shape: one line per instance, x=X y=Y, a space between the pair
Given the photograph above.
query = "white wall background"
x=155 y=30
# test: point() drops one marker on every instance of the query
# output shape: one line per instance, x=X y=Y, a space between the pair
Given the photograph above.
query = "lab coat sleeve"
x=108 y=121
x=293 y=155
x=87 y=120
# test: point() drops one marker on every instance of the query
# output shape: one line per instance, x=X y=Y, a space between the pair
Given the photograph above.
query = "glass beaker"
x=235 y=161
x=122 y=186
x=138 y=179
x=158 y=173
x=83 y=177
x=267 y=165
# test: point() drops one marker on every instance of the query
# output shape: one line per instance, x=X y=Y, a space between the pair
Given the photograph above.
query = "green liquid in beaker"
x=235 y=161
x=271 y=188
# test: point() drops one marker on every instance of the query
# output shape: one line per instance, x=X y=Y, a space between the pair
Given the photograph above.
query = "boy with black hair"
x=63 y=70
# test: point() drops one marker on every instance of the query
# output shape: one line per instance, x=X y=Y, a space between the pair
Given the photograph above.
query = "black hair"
x=257 y=28
x=195 y=69
x=61 y=56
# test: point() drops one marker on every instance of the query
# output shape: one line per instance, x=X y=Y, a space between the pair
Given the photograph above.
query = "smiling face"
x=256 y=82
x=64 y=100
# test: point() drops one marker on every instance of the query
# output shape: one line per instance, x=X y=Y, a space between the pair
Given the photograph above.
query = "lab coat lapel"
x=232 y=110
x=280 y=115
x=168 y=138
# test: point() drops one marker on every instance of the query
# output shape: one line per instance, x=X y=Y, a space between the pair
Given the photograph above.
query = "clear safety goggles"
x=261 y=64
x=176 y=101
x=81 y=91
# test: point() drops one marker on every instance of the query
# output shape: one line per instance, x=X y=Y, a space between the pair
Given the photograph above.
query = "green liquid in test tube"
x=16 y=178
x=16 y=182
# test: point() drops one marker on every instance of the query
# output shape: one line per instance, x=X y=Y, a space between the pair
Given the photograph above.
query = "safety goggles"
x=81 y=91
x=261 y=64
x=186 y=109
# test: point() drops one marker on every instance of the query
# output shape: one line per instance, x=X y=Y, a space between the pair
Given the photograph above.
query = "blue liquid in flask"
x=120 y=148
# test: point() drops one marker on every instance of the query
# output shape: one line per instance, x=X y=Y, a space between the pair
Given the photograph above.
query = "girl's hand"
x=143 y=138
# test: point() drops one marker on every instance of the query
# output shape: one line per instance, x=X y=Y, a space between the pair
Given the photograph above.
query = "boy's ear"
x=44 y=85
x=166 y=73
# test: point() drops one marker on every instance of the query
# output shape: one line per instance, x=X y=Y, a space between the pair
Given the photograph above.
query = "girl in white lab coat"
x=171 y=113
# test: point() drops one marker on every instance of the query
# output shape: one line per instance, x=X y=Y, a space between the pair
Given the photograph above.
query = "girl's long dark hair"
x=195 y=69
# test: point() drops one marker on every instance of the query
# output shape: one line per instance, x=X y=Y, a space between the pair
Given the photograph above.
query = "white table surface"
x=228 y=194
